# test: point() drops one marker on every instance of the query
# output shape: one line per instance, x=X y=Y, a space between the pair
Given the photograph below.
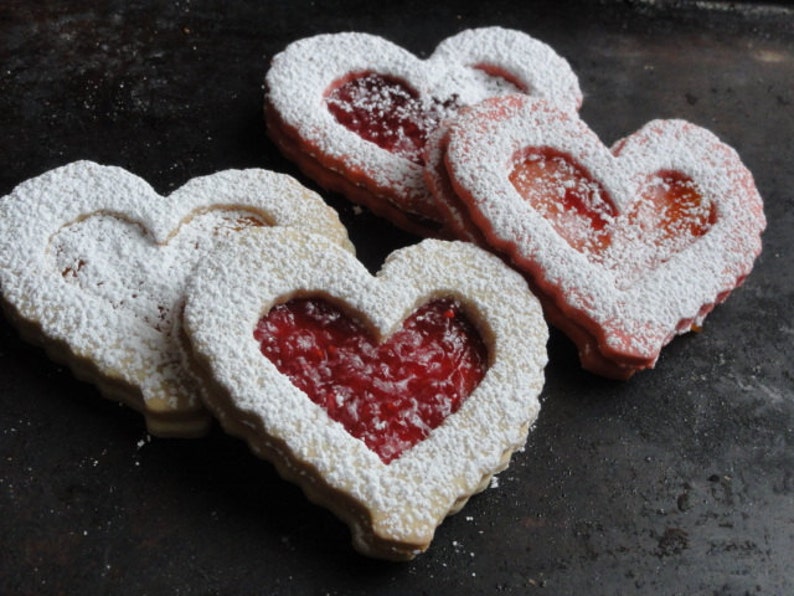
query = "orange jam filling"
x=577 y=206
x=671 y=203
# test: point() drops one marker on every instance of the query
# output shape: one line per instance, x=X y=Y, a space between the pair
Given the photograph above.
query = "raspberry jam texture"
x=391 y=394
x=386 y=111
x=566 y=195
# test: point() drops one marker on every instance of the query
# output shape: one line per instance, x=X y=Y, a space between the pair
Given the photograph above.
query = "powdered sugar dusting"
x=464 y=69
x=404 y=501
x=93 y=259
x=641 y=285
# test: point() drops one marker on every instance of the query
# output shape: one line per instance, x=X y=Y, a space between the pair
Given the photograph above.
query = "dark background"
x=679 y=481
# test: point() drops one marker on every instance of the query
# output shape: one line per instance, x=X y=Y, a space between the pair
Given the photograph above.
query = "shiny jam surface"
x=391 y=394
x=386 y=111
x=563 y=192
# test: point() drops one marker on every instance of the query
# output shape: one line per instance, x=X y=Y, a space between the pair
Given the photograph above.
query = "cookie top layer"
x=392 y=508
x=463 y=70
x=636 y=243
x=93 y=263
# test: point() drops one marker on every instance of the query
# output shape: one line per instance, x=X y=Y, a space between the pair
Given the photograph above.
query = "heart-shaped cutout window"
x=385 y=110
x=669 y=214
x=390 y=395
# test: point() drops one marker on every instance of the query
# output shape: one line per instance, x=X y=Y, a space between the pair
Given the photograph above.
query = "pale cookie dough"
x=392 y=509
x=93 y=263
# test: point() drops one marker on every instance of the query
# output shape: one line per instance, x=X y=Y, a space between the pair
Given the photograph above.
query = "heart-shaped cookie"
x=93 y=264
x=627 y=247
x=392 y=432
x=354 y=110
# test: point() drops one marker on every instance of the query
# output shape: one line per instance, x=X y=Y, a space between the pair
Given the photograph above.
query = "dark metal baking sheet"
x=679 y=481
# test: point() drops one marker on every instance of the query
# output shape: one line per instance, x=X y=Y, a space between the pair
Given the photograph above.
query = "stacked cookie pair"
x=389 y=399
x=625 y=246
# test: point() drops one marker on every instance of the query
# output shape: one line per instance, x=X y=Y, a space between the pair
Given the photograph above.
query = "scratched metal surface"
x=679 y=481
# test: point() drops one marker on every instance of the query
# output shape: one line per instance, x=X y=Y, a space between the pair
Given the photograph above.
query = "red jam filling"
x=391 y=394
x=386 y=111
x=578 y=207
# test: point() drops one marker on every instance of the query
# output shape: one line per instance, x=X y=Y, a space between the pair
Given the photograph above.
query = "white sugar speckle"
x=410 y=496
x=91 y=257
x=300 y=77
x=645 y=276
